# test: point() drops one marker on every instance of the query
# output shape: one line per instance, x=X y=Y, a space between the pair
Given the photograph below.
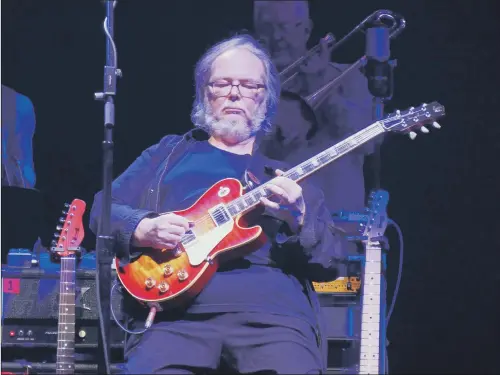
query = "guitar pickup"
x=220 y=215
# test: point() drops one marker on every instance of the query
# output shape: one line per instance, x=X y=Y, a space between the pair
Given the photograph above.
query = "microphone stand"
x=379 y=72
x=104 y=244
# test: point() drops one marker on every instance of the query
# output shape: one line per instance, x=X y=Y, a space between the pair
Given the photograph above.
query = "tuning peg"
x=53 y=243
x=59 y=227
x=56 y=235
x=66 y=205
x=64 y=212
x=423 y=129
x=436 y=125
x=61 y=220
x=412 y=135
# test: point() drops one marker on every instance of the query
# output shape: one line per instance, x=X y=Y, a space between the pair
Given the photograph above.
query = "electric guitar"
x=66 y=250
x=371 y=357
x=158 y=278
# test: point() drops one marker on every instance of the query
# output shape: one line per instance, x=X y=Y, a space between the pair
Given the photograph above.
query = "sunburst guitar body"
x=163 y=275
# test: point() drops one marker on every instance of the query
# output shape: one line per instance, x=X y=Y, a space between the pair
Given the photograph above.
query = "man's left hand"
x=287 y=202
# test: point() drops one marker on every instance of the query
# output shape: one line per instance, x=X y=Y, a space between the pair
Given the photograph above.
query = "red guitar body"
x=169 y=276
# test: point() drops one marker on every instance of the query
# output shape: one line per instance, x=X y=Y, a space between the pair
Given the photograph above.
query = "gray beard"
x=235 y=131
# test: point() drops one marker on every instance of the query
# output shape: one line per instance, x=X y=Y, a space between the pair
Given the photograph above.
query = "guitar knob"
x=82 y=333
x=423 y=129
x=150 y=282
x=182 y=275
x=412 y=135
x=168 y=270
x=163 y=287
x=436 y=125
x=177 y=252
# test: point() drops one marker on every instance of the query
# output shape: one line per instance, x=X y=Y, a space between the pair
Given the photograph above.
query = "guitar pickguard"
x=199 y=249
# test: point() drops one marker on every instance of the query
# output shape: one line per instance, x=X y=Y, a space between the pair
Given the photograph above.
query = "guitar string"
x=359 y=138
x=65 y=278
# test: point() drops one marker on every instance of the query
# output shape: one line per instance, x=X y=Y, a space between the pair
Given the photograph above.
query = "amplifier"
x=30 y=306
x=343 y=356
x=42 y=368
x=34 y=334
x=342 y=285
x=342 y=315
x=33 y=293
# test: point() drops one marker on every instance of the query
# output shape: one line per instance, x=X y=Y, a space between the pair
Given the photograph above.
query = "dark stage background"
x=444 y=186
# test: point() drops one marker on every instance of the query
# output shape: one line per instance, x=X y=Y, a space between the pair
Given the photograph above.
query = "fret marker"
x=66 y=309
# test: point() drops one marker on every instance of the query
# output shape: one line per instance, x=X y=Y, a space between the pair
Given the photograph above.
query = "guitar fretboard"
x=65 y=363
x=301 y=171
x=370 y=319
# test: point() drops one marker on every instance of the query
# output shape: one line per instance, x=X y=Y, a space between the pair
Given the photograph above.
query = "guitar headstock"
x=70 y=230
x=377 y=215
x=411 y=119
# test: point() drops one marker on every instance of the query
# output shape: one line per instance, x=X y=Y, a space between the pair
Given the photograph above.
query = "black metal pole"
x=104 y=245
x=380 y=79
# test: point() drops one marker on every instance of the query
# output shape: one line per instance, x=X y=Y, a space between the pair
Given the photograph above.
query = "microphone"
x=378 y=68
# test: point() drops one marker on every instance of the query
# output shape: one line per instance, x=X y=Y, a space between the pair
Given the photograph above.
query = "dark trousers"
x=238 y=342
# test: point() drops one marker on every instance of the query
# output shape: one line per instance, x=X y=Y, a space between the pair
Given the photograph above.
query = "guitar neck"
x=370 y=319
x=66 y=319
x=308 y=167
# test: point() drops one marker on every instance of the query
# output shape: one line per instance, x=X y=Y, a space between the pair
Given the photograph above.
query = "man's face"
x=236 y=112
x=284 y=29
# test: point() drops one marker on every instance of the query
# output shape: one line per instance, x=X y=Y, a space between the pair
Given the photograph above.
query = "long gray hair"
x=203 y=70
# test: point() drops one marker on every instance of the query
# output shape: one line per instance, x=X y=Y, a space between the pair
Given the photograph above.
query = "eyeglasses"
x=247 y=89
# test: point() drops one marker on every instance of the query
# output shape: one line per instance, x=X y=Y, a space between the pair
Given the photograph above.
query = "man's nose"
x=234 y=94
x=277 y=34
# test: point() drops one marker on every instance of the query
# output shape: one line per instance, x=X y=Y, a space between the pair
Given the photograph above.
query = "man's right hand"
x=162 y=232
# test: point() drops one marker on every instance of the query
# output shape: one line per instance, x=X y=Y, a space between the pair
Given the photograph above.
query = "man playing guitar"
x=258 y=312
